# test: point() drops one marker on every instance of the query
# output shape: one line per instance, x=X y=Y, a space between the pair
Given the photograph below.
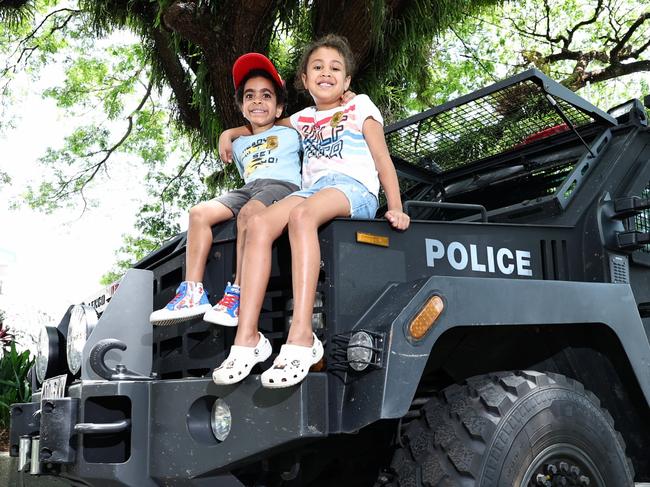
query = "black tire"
x=505 y=430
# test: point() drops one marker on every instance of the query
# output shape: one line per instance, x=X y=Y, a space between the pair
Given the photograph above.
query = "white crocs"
x=292 y=365
x=240 y=361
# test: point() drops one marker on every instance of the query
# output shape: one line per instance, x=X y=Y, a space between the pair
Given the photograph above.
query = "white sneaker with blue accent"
x=191 y=301
x=226 y=311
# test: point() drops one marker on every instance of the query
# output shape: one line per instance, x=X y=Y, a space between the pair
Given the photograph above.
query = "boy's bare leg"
x=262 y=230
x=303 y=224
x=199 y=236
x=249 y=209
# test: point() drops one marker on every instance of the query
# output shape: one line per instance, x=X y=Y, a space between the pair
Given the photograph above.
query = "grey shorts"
x=268 y=191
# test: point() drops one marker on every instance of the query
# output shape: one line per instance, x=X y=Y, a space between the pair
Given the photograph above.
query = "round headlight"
x=42 y=355
x=49 y=353
x=220 y=419
x=360 y=350
x=83 y=319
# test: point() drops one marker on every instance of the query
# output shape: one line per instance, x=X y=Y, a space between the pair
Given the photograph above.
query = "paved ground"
x=9 y=477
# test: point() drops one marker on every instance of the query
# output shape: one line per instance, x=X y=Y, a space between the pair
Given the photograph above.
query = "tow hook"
x=120 y=372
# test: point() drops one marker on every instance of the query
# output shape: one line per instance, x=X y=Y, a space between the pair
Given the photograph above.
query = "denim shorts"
x=363 y=204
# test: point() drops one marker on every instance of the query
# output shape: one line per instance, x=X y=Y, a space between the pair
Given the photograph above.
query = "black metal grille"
x=642 y=220
x=453 y=137
x=619 y=268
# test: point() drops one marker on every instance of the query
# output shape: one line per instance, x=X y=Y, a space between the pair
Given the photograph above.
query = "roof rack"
x=492 y=120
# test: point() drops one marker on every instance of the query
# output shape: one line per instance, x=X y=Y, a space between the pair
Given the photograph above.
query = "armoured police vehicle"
x=502 y=340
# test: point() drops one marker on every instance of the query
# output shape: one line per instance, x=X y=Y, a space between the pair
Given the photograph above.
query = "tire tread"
x=447 y=444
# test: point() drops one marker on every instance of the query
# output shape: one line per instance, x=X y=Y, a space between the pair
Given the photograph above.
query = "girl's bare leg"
x=303 y=224
x=262 y=230
x=199 y=236
x=243 y=217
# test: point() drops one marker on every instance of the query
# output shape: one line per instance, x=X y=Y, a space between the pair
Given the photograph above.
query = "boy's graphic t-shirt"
x=333 y=142
x=272 y=154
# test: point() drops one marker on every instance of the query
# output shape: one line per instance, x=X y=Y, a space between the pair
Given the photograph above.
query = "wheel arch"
x=509 y=304
x=590 y=353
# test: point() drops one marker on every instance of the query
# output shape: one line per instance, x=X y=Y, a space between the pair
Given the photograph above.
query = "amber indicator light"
x=371 y=239
x=427 y=316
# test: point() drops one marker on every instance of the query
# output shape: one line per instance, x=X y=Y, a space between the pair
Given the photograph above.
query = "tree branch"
x=177 y=78
x=177 y=176
x=45 y=19
x=614 y=54
x=471 y=53
x=185 y=18
x=637 y=53
x=532 y=34
x=609 y=72
x=597 y=11
x=87 y=175
x=580 y=56
x=22 y=44
x=560 y=37
x=621 y=51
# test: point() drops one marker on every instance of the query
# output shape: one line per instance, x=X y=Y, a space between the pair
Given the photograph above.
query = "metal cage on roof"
x=487 y=122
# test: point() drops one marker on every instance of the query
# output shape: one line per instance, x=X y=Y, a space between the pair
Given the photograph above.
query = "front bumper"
x=168 y=439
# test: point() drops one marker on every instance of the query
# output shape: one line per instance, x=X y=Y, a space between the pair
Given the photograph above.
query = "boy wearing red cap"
x=269 y=162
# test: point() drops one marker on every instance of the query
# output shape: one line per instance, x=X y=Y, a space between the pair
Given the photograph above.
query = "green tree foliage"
x=15 y=12
x=589 y=46
x=115 y=111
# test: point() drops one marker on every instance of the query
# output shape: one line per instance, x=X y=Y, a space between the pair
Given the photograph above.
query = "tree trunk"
x=242 y=27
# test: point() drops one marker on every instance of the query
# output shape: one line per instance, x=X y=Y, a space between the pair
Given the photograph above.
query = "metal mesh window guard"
x=464 y=150
x=480 y=128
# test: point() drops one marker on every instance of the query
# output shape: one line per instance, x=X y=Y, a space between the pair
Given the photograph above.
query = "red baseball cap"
x=253 y=60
